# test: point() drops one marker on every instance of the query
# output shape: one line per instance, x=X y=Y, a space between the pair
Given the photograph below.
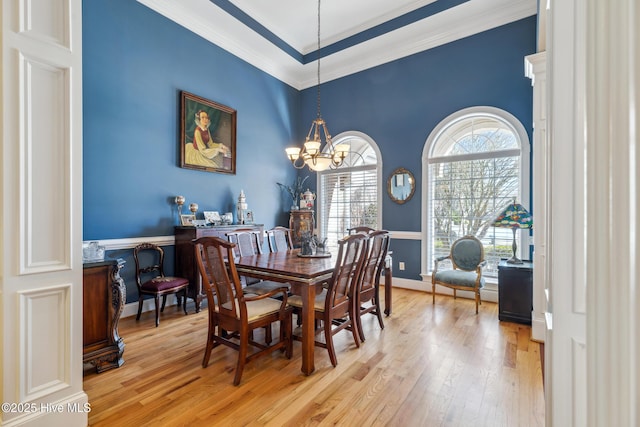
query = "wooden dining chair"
x=279 y=239
x=233 y=316
x=151 y=280
x=249 y=242
x=335 y=307
x=368 y=295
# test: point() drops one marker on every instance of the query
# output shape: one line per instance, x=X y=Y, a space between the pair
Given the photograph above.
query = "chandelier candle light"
x=514 y=216
x=312 y=153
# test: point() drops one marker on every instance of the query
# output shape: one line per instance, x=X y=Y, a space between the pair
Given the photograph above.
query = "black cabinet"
x=515 y=291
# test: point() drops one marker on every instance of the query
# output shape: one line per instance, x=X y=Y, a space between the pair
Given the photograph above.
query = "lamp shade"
x=514 y=216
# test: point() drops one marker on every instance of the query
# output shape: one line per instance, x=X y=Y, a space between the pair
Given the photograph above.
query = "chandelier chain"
x=318 y=51
x=312 y=153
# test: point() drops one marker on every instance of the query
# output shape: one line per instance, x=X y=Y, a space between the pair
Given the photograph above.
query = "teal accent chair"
x=467 y=259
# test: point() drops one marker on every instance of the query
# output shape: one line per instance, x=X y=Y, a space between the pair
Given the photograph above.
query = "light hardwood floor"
x=437 y=365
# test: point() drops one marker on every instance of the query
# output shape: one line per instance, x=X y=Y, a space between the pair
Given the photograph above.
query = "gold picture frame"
x=207 y=135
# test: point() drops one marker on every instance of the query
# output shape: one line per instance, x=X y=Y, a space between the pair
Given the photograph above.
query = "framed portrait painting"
x=207 y=135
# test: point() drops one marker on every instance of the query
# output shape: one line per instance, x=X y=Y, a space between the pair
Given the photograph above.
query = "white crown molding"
x=420 y=36
x=218 y=27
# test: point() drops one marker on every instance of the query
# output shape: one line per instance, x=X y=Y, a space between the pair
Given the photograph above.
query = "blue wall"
x=136 y=62
x=399 y=104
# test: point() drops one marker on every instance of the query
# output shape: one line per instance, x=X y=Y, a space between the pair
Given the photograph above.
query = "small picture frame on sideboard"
x=187 y=220
x=248 y=217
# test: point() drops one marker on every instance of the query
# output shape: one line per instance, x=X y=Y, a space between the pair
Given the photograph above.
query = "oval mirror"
x=401 y=185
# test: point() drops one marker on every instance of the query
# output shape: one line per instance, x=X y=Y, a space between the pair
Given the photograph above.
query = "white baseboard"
x=489 y=293
x=131 y=309
x=538 y=328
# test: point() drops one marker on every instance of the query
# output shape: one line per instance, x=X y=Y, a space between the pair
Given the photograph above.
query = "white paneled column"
x=536 y=70
x=592 y=375
x=41 y=190
x=613 y=218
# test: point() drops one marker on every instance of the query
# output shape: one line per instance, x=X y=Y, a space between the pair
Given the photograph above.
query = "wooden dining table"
x=306 y=276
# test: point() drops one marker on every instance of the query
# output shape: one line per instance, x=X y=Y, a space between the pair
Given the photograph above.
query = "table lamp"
x=514 y=216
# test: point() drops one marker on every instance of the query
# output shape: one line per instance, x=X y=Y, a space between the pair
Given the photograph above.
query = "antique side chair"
x=467 y=258
x=150 y=278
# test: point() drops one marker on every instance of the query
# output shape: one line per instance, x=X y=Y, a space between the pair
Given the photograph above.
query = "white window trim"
x=336 y=140
x=427 y=149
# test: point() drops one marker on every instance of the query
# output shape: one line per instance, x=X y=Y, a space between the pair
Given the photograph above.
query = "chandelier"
x=312 y=153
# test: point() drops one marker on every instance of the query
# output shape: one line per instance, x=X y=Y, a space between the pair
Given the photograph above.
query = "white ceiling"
x=295 y=22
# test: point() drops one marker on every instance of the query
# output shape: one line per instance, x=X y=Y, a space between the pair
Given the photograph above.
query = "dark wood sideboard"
x=103 y=300
x=186 y=265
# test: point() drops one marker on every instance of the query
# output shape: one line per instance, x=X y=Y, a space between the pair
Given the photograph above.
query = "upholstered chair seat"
x=459 y=277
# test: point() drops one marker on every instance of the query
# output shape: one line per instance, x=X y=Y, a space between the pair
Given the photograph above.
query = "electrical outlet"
x=401 y=265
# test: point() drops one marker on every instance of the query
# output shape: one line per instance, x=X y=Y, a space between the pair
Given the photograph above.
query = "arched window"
x=351 y=195
x=477 y=161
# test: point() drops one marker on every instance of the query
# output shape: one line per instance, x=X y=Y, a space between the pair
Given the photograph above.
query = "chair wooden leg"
x=433 y=293
x=328 y=337
x=210 y=341
x=157 y=310
x=359 y=324
x=164 y=302
x=477 y=300
x=354 y=328
x=140 y=300
x=267 y=335
x=184 y=304
x=286 y=334
x=454 y=294
x=242 y=355
x=378 y=307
